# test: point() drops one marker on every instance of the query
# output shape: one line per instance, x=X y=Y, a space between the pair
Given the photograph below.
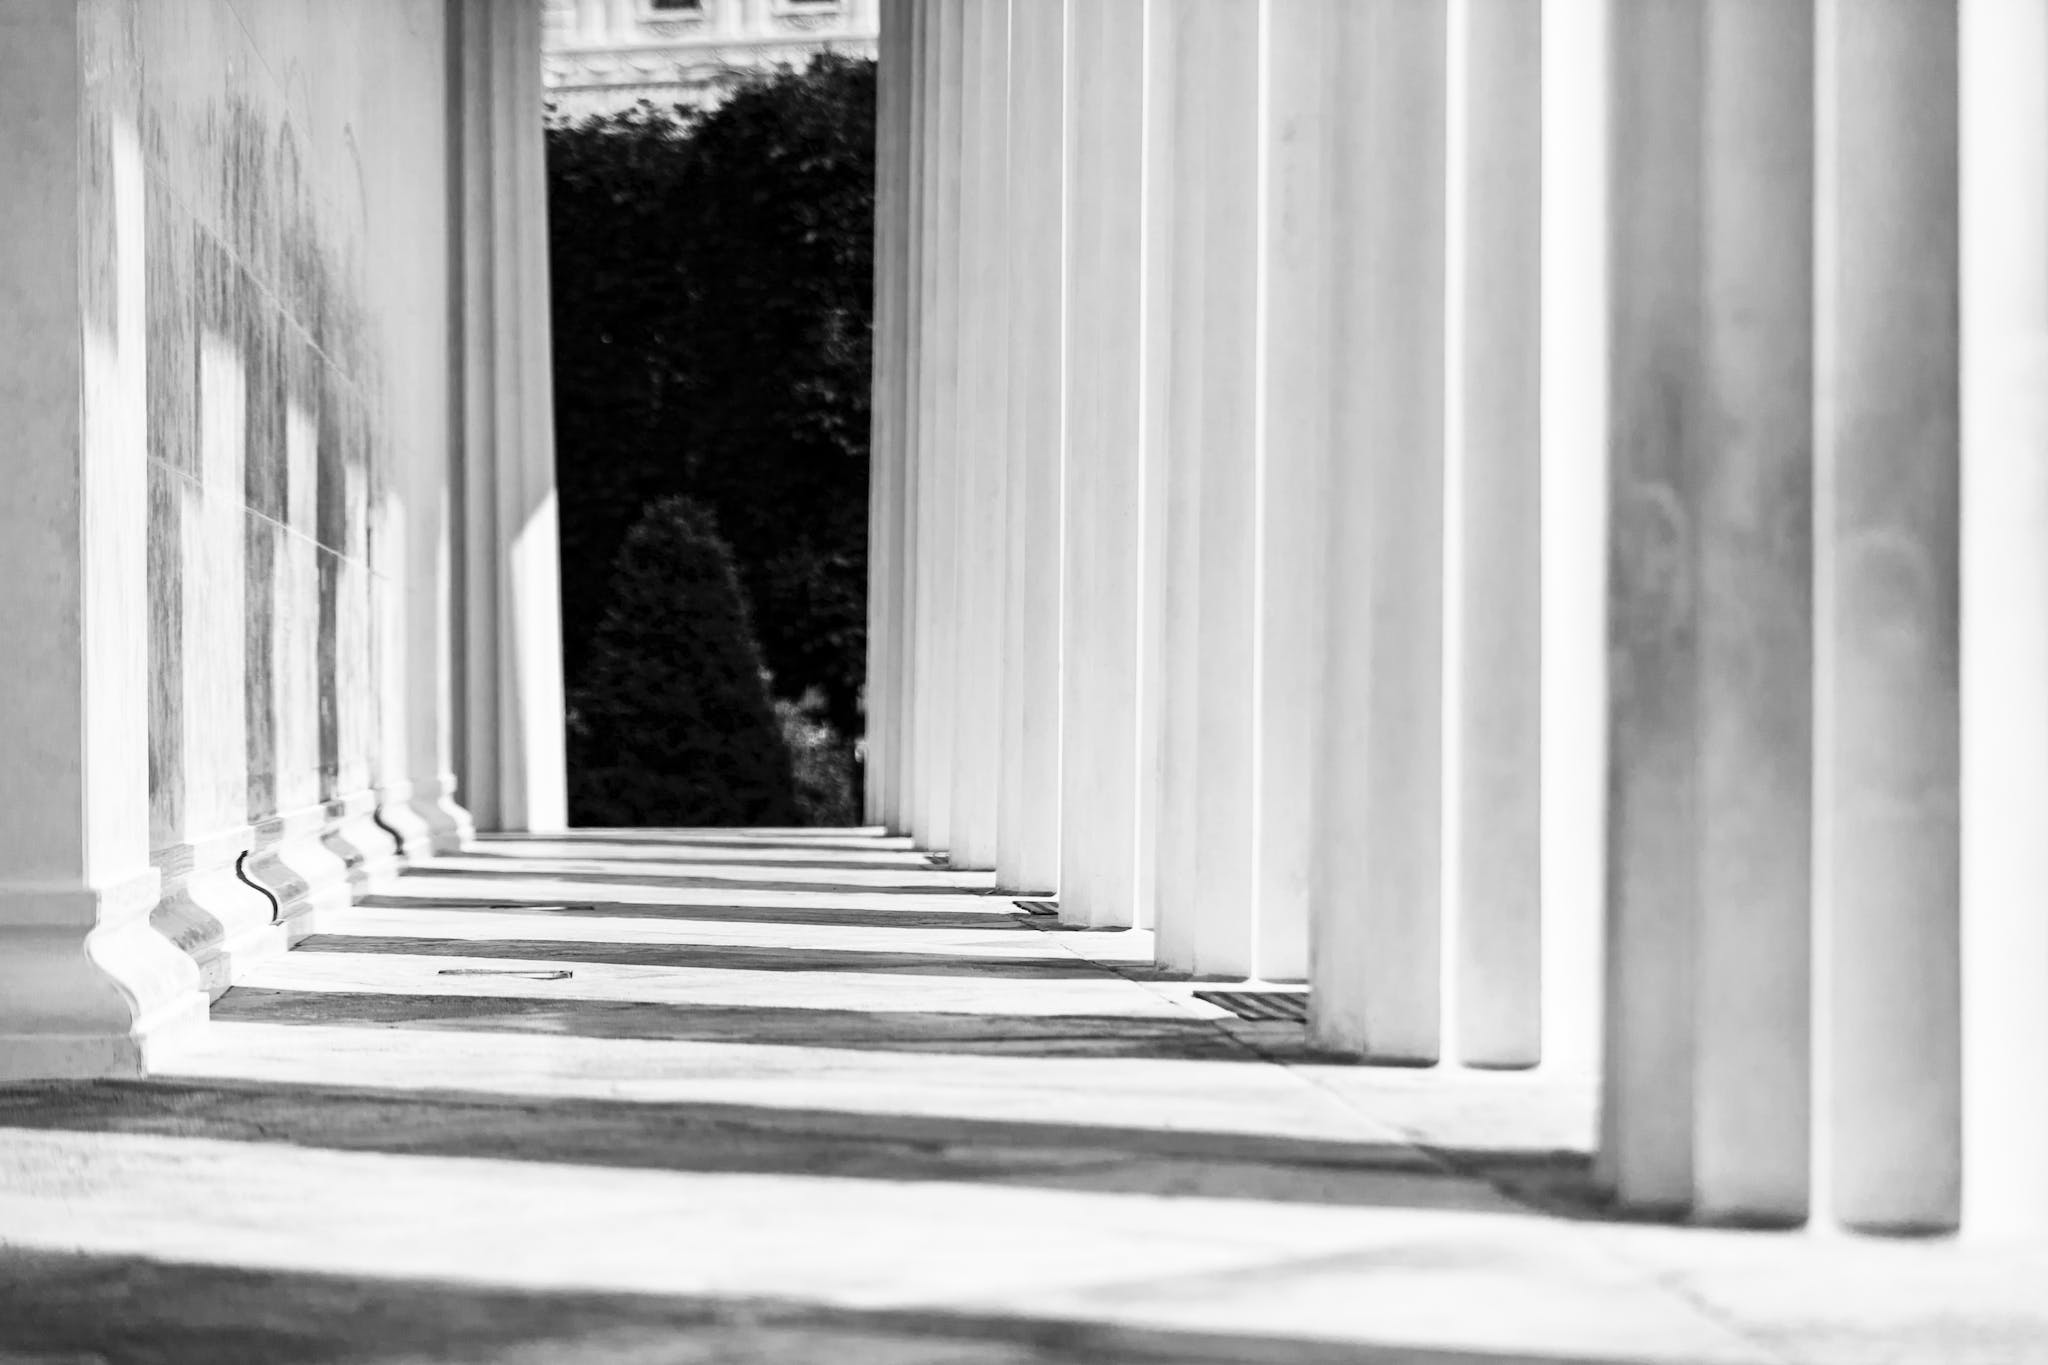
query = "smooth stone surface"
x=1376 y=941
x=730 y=1148
x=1105 y=465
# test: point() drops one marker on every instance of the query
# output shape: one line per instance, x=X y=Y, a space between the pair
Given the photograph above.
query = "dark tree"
x=713 y=293
x=621 y=313
x=674 y=725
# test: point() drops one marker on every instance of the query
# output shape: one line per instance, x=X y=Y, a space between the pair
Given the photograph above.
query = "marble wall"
x=296 y=207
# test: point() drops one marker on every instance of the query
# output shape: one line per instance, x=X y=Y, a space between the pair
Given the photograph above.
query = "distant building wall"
x=604 y=55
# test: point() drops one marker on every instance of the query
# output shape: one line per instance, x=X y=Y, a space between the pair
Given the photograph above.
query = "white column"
x=1752 y=1085
x=1377 y=954
x=512 y=756
x=1709 y=1074
x=1155 y=320
x=1887 y=440
x=885 y=430
x=1653 y=279
x=1495 y=556
x=432 y=820
x=980 y=451
x=939 y=365
x=1574 y=520
x=1300 y=237
x=2005 y=614
x=900 y=755
x=1028 y=851
x=1207 y=230
x=87 y=987
x=1102 y=542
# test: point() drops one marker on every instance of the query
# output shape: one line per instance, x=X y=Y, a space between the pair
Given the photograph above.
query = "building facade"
x=1530 y=519
x=280 y=547
x=606 y=55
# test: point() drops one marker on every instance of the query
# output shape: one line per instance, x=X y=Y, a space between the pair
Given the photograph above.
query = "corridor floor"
x=805 y=1097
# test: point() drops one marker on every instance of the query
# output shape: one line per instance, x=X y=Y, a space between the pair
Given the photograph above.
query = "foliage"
x=673 y=725
x=713 y=294
x=823 y=761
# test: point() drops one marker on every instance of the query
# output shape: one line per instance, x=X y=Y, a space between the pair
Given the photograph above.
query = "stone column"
x=1708 y=1076
x=886 y=428
x=2004 y=169
x=1574 y=520
x=423 y=810
x=1888 y=602
x=87 y=987
x=511 y=750
x=1028 y=849
x=1206 y=231
x=1103 y=540
x=1493 y=488
x=1377 y=954
x=979 y=451
x=939 y=364
x=1300 y=237
x=904 y=703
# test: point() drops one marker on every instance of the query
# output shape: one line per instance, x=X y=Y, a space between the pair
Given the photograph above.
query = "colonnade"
x=1530 y=519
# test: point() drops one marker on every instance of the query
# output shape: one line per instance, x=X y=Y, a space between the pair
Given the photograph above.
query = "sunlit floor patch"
x=733 y=1097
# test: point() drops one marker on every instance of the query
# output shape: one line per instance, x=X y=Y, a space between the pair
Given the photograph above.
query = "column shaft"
x=87 y=987
x=1574 y=520
x=938 y=372
x=2005 y=614
x=905 y=702
x=1377 y=952
x=513 y=760
x=1209 y=236
x=1028 y=842
x=1753 y=490
x=1494 y=485
x=1103 y=541
x=980 y=452
x=885 y=440
x=1709 y=1078
x=1300 y=236
x=1888 y=593
x=1156 y=313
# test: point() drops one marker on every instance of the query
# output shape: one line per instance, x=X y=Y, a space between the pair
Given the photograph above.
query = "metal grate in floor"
x=1261 y=1006
x=1038 y=907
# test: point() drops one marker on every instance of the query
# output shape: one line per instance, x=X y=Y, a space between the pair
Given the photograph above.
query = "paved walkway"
x=806 y=1099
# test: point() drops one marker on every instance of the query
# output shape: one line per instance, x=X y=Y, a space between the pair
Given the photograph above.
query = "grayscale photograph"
x=1024 y=682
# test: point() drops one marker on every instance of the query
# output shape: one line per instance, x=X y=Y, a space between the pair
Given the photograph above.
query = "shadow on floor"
x=536 y=870
x=715 y=859
x=1000 y=915
x=712 y=956
x=989 y=1035
x=871 y=840
x=72 y=1308
x=755 y=1139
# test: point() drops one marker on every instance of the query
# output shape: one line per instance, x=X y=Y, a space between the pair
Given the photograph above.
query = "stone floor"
x=802 y=1098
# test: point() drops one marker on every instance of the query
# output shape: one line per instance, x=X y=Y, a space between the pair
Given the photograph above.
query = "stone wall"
x=296 y=206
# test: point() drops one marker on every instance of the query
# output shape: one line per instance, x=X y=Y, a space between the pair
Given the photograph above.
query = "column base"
x=448 y=826
x=293 y=863
x=207 y=910
x=370 y=853
x=406 y=827
x=88 y=988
